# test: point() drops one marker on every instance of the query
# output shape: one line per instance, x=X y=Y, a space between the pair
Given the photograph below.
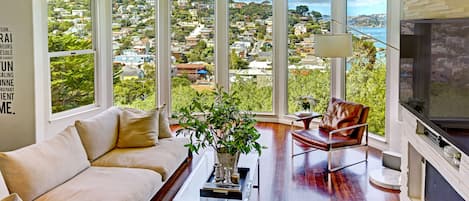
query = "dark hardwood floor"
x=303 y=178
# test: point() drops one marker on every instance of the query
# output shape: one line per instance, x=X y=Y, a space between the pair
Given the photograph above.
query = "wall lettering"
x=7 y=75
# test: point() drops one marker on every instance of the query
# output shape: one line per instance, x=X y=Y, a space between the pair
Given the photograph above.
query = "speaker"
x=392 y=160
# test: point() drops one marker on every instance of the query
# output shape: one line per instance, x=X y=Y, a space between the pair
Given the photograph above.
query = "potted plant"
x=220 y=125
x=305 y=103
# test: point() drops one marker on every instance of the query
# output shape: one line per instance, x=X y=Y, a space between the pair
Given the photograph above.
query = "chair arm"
x=349 y=128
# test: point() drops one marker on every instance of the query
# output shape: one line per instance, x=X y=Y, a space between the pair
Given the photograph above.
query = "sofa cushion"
x=12 y=197
x=35 y=169
x=341 y=114
x=3 y=187
x=163 y=158
x=164 y=129
x=103 y=184
x=99 y=133
x=138 y=129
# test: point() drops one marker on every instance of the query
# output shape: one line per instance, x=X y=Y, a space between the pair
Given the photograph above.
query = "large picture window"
x=71 y=54
x=366 y=70
x=308 y=75
x=250 y=46
x=192 y=51
x=134 y=53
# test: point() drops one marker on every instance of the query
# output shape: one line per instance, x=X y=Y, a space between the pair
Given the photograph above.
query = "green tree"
x=364 y=53
x=302 y=10
x=253 y=96
x=180 y=81
x=368 y=86
x=72 y=77
x=316 y=15
x=236 y=62
x=315 y=83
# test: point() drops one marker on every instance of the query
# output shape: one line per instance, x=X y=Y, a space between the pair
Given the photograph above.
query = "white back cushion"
x=36 y=169
x=99 y=133
x=3 y=188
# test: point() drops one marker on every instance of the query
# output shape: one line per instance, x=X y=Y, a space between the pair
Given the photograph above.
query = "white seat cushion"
x=163 y=158
x=35 y=169
x=107 y=184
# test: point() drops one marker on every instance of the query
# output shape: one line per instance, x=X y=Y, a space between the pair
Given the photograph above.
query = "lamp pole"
x=339 y=13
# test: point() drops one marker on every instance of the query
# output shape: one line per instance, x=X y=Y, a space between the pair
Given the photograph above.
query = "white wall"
x=17 y=128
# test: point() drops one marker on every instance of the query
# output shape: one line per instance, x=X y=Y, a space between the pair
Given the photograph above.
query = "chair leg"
x=329 y=171
x=292 y=164
x=292 y=149
x=366 y=154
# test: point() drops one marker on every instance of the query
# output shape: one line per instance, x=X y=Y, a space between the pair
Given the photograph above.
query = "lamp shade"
x=333 y=45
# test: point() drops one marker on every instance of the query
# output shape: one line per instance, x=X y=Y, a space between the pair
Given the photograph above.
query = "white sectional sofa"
x=83 y=163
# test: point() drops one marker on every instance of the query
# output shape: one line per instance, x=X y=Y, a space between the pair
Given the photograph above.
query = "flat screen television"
x=434 y=75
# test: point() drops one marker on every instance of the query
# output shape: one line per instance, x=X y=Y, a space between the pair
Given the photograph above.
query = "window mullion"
x=221 y=43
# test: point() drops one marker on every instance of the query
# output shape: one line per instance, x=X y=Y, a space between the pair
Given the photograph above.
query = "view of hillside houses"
x=134 y=45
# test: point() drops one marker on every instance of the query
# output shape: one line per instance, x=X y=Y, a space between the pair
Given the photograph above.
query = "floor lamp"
x=340 y=46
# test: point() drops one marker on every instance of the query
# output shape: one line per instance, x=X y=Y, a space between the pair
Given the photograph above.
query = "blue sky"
x=355 y=7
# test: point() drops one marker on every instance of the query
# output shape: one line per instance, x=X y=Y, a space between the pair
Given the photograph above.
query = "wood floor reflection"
x=304 y=178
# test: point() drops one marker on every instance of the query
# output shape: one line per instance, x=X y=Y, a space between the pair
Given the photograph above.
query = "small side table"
x=307 y=118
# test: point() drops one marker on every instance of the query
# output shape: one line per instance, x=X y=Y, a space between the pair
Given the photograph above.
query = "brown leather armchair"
x=342 y=126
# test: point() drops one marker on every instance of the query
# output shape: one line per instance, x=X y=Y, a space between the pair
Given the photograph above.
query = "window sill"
x=73 y=112
x=378 y=142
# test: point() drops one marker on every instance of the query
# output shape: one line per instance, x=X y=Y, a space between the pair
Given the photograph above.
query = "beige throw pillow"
x=165 y=130
x=138 y=128
x=12 y=197
x=99 y=133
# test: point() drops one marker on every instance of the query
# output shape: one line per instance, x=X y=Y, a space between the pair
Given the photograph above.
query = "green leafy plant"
x=220 y=124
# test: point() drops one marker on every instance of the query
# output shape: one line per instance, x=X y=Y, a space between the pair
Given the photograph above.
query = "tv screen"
x=434 y=71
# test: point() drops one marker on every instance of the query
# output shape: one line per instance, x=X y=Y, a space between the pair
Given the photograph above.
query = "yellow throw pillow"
x=164 y=130
x=12 y=197
x=138 y=128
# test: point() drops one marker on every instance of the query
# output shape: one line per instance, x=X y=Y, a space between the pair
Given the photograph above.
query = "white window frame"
x=84 y=108
x=48 y=124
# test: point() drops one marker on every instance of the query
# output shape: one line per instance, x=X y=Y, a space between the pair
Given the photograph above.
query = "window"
x=192 y=51
x=134 y=53
x=71 y=54
x=250 y=45
x=308 y=75
x=366 y=70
